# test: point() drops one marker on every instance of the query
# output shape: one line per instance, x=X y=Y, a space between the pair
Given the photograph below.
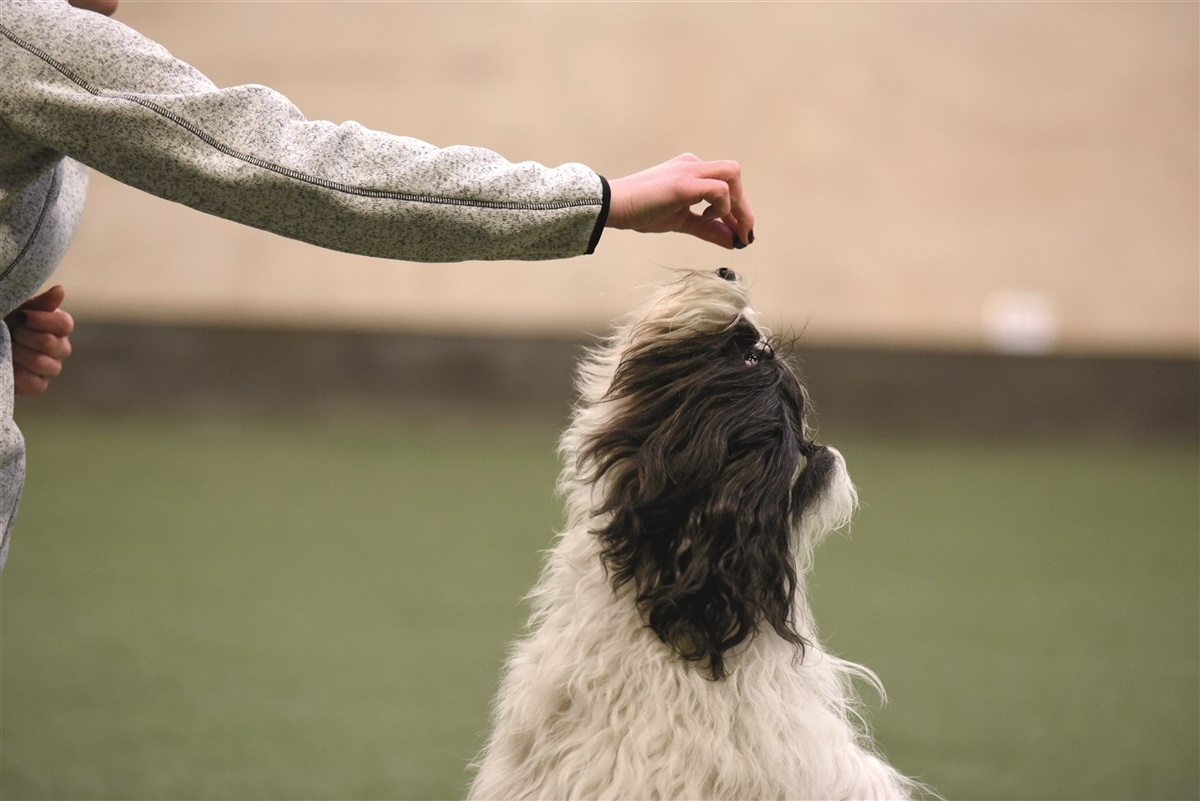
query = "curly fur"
x=671 y=653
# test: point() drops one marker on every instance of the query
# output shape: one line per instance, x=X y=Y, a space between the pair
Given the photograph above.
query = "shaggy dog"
x=671 y=653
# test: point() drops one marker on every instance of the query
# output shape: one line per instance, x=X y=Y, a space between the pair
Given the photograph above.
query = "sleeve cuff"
x=603 y=218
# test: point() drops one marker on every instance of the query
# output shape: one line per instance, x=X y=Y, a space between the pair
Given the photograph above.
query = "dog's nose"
x=727 y=274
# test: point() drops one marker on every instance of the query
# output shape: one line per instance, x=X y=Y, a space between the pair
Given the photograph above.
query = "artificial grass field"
x=316 y=610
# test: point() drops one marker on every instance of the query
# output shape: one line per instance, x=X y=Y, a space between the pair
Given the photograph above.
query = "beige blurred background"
x=963 y=176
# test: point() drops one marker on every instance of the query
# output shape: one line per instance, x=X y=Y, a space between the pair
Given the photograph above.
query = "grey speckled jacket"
x=77 y=88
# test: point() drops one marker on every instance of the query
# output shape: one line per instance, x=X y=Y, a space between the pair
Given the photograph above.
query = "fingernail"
x=738 y=244
x=750 y=238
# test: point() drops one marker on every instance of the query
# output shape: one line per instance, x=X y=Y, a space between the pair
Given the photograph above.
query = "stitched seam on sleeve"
x=287 y=172
x=47 y=204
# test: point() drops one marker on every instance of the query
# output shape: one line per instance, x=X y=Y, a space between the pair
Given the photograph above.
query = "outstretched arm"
x=246 y=153
x=85 y=86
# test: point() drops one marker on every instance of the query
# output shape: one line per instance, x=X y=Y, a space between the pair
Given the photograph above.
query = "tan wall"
x=926 y=173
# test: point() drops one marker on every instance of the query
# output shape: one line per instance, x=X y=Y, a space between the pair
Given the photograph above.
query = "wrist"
x=618 y=204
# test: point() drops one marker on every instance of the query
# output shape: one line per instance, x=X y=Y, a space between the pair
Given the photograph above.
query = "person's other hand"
x=660 y=200
x=40 y=334
x=105 y=7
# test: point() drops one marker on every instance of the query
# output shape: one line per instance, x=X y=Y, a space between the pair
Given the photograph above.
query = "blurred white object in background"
x=1020 y=322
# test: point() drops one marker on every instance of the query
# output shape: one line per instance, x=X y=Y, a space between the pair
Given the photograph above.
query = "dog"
x=671 y=652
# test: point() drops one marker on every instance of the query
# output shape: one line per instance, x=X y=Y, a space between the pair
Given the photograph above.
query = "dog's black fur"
x=708 y=471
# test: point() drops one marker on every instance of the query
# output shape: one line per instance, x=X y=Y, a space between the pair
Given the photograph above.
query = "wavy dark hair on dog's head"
x=706 y=469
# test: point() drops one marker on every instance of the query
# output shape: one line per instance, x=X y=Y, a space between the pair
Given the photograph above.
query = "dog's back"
x=671 y=652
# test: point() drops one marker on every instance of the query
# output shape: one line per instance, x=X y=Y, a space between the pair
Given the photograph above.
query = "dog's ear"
x=698 y=468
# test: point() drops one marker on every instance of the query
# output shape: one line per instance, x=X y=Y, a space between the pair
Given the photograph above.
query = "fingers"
x=725 y=179
x=27 y=383
x=35 y=362
x=40 y=332
x=713 y=192
x=57 y=323
x=33 y=367
x=715 y=231
x=51 y=343
x=719 y=184
x=716 y=223
x=42 y=314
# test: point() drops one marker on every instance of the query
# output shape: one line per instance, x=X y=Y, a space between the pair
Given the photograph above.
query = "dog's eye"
x=760 y=350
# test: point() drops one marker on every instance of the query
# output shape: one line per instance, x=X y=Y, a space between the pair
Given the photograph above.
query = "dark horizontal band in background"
x=121 y=368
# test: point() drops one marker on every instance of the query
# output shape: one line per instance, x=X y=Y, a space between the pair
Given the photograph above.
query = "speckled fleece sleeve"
x=90 y=88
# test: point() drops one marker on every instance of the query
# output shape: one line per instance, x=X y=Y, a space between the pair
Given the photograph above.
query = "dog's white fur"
x=593 y=704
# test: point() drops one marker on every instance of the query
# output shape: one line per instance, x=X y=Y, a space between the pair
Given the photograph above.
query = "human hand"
x=660 y=200
x=40 y=331
x=105 y=7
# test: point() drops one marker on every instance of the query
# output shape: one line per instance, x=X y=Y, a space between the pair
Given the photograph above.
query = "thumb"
x=49 y=300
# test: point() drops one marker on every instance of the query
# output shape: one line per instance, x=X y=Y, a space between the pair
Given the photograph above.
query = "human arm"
x=84 y=86
x=40 y=331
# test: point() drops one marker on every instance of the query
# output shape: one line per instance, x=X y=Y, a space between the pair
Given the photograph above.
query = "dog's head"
x=709 y=488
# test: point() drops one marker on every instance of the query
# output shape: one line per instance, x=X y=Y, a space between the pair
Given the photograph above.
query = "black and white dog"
x=671 y=653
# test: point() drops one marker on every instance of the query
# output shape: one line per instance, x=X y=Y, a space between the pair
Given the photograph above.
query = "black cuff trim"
x=603 y=218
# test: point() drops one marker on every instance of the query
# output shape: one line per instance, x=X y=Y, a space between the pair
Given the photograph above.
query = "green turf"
x=304 y=610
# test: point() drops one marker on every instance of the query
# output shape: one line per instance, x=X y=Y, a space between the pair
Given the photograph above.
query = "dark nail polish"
x=738 y=244
x=751 y=237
